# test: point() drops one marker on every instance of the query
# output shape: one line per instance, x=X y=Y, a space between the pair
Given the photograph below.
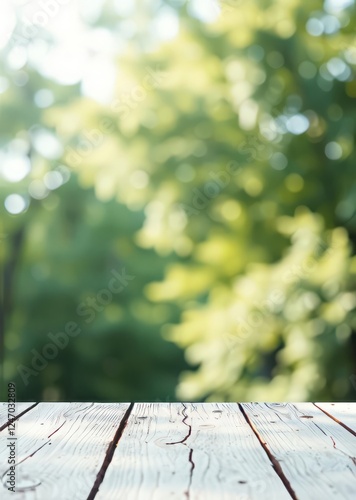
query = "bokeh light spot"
x=139 y=179
x=53 y=180
x=15 y=204
x=314 y=27
x=278 y=161
x=333 y=150
x=185 y=173
x=15 y=167
x=307 y=69
x=44 y=98
x=297 y=124
x=38 y=190
x=294 y=183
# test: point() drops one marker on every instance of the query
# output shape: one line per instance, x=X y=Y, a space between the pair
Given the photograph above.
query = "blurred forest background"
x=204 y=150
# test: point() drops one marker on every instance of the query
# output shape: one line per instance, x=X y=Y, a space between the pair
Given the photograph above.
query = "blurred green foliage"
x=221 y=175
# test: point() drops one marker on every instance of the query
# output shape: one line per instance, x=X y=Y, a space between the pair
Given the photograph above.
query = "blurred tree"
x=223 y=178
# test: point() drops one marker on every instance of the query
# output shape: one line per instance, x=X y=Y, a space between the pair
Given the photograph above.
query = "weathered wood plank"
x=190 y=451
x=316 y=454
x=20 y=408
x=60 y=449
x=345 y=413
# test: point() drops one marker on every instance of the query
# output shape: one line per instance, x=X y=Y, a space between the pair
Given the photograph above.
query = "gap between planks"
x=276 y=465
x=110 y=453
x=335 y=419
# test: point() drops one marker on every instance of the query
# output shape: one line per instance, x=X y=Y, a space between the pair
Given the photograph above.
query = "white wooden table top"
x=188 y=451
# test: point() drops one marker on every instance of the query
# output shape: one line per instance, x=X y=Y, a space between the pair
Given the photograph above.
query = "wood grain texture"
x=20 y=408
x=190 y=452
x=60 y=449
x=316 y=454
x=343 y=412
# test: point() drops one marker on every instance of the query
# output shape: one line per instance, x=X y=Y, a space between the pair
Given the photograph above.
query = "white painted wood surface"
x=316 y=454
x=60 y=449
x=190 y=451
x=343 y=412
x=20 y=407
x=200 y=451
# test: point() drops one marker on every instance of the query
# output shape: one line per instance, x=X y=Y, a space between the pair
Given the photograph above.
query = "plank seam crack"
x=23 y=460
x=192 y=467
x=346 y=454
x=184 y=413
x=336 y=420
x=183 y=441
x=17 y=417
x=110 y=453
x=60 y=427
x=276 y=465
